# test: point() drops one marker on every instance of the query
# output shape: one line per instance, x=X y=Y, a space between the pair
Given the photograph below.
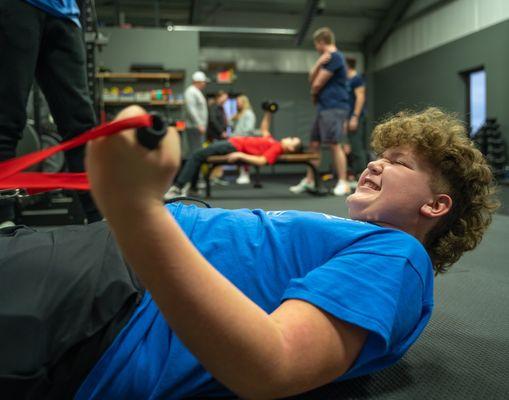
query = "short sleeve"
x=273 y=152
x=366 y=290
x=185 y=215
x=334 y=64
x=356 y=82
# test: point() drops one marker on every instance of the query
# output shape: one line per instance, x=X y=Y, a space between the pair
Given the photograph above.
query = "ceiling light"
x=228 y=29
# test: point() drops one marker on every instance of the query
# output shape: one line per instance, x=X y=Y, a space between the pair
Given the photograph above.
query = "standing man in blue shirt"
x=329 y=93
x=357 y=91
x=42 y=39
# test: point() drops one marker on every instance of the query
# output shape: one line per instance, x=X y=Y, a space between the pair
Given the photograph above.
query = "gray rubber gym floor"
x=464 y=352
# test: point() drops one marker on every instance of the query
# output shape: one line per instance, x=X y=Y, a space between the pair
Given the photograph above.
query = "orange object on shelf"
x=180 y=125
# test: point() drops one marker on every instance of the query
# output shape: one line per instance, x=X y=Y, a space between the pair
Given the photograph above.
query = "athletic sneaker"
x=243 y=178
x=341 y=188
x=172 y=192
x=302 y=186
x=352 y=184
x=219 y=182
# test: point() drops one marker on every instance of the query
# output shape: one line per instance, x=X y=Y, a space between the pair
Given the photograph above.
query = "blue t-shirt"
x=334 y=94
x=59 y=8
x=378 y=278
x=353 y=83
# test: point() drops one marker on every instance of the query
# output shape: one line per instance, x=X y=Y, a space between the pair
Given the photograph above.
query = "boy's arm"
x=360 y=97
x=319 y=82
x=294 y=349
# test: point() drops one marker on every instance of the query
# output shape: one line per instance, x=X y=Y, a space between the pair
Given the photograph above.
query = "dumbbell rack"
x=491 y=143
x=58 y=207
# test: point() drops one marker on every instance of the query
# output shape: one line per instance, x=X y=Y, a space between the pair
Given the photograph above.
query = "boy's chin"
x=355 y=206
x=350 y=200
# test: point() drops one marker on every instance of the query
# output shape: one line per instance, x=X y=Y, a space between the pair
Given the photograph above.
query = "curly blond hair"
x=458 y=169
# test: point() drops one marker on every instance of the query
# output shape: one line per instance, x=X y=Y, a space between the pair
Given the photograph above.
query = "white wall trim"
x=446 y=24
x=268 y=60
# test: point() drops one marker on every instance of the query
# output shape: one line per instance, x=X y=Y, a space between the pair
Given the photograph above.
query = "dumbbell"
x=270 y=106
x=150 y=136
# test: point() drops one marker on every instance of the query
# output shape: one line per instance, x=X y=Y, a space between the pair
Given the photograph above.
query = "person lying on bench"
x=217 y=302
x=258 y=150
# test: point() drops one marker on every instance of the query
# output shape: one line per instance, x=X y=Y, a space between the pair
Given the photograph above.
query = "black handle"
x=150 y=136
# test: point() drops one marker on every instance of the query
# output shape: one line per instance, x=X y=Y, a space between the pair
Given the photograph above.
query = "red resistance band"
x=11 y=176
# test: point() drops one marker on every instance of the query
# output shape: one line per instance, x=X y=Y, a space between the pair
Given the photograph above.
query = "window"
x=476 y=98
x=230 y=108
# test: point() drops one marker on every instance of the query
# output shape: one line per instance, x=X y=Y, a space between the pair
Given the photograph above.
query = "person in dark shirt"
x=216 y=130
x=329 y=93
x=356 y=137
x=218 y=122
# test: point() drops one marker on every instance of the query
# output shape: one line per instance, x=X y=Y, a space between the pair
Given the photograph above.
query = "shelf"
x=162 y=103
x=174 y=76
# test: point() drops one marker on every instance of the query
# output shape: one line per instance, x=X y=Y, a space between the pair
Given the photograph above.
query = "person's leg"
x=217 y=172
x=314 y=147
x=339 y=160
x=333 y=132
x=61 y=74
x=19 y=46
x=243 y=178
x=308 y=183
x=358 y=152
x=193 y=142
x=366 y=137
x=194 y=162
x=60 y=309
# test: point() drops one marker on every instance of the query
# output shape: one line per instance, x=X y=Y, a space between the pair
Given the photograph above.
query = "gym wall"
x=291 y=91
x=433 y=77
x=175 y=50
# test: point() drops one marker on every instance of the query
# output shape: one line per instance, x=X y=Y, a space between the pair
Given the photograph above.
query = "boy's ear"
x=439 y=206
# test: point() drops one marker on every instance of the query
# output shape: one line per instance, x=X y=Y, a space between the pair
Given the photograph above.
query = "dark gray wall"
x=175 y=50
x=290 y=90
x=432 y=78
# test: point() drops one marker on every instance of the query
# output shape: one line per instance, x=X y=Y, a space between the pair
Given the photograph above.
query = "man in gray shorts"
x=329 y=92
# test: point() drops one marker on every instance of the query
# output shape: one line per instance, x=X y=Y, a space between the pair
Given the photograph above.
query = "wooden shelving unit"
x=123 y=76
x=149 y=103
x=140 y=82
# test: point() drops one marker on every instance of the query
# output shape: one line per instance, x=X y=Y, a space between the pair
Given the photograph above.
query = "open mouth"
x=371 y=185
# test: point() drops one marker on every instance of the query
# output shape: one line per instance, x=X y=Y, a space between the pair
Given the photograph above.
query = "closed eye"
x=404 y=164
x=388 y=160
x=399 y=162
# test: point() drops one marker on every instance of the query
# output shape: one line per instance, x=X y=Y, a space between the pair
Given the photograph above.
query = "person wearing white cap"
x=196 y=114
